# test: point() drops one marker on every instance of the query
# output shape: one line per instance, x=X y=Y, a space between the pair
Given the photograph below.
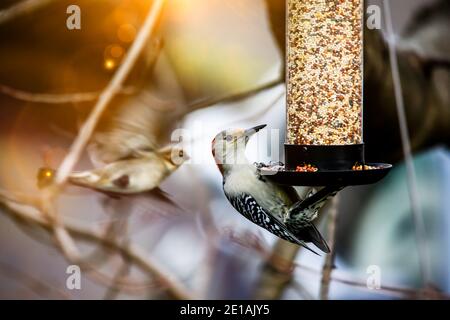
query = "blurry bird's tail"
x=46 y=177
x=311 y=234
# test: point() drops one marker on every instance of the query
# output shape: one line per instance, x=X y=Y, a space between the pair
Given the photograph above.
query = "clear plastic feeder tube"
x=324 y=72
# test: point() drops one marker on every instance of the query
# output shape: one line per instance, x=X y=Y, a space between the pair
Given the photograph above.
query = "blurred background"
x=212 y=65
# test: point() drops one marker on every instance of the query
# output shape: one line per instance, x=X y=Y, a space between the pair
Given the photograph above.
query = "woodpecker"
x=278 y=209
x=142 y=171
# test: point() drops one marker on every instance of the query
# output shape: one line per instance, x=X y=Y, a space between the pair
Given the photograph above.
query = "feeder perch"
x=324 y=79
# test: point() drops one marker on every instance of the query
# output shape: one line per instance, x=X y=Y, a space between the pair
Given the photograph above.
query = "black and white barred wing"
x=249 y=208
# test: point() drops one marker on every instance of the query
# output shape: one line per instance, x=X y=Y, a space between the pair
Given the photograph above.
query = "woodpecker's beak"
x=252 y=131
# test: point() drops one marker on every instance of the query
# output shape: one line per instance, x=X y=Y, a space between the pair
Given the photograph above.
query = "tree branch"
x=33 y=216
x=229 y=98
x=56 y=98
x=21 y=8
x=277 y=271
x=328 y=266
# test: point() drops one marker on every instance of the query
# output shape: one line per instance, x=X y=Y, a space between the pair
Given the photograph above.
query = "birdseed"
x=361 y=167
x=306 y=168
x=324 y=72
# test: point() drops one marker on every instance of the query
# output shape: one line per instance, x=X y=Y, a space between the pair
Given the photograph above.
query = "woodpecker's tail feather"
x=311 y=234
x=303 y=245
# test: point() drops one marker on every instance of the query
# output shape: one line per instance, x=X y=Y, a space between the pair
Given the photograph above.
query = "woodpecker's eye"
x=181 y=153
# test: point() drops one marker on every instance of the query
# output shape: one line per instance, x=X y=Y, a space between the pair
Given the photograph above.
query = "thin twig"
x=414 y=197
x=98 y=255
x=35 y=218
x=21 y=8
x=114 y=290
x=78 y=97
x=18 y=197
x=277 y=273
x=234 y=97
x=129 y=286
x=328 y=266
x=403 y=292
x=302 y=291
x=61 y=236
x=56 y=98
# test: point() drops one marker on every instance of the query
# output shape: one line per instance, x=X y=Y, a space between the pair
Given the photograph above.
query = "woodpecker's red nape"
x=213 y=150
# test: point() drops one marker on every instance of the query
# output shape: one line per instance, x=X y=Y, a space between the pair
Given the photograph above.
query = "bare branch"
x=235 y=97
x=116 y=227
x=47 y=211
x=114 y=289
x=328 y=266
x=18 y=198
x=277 y=272
x=21 y=8
x=403 y=292
x=33 y=216
x=55 y=98
x=414 y=195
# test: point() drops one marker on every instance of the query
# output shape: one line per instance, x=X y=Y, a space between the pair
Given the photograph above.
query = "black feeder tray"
x=334 y=164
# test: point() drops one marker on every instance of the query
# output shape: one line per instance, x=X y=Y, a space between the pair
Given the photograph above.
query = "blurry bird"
x=140 y=172
x=278 y=209
x=125 y=149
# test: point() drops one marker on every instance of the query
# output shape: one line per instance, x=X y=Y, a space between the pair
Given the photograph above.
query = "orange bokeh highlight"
x=109 y=64
x=126 y=33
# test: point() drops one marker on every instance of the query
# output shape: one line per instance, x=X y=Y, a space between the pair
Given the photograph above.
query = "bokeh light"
x=126 y=33
x=110 y=64
x=116 y=51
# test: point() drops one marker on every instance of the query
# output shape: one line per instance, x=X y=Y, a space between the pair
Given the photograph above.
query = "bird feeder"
x=324 y=101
